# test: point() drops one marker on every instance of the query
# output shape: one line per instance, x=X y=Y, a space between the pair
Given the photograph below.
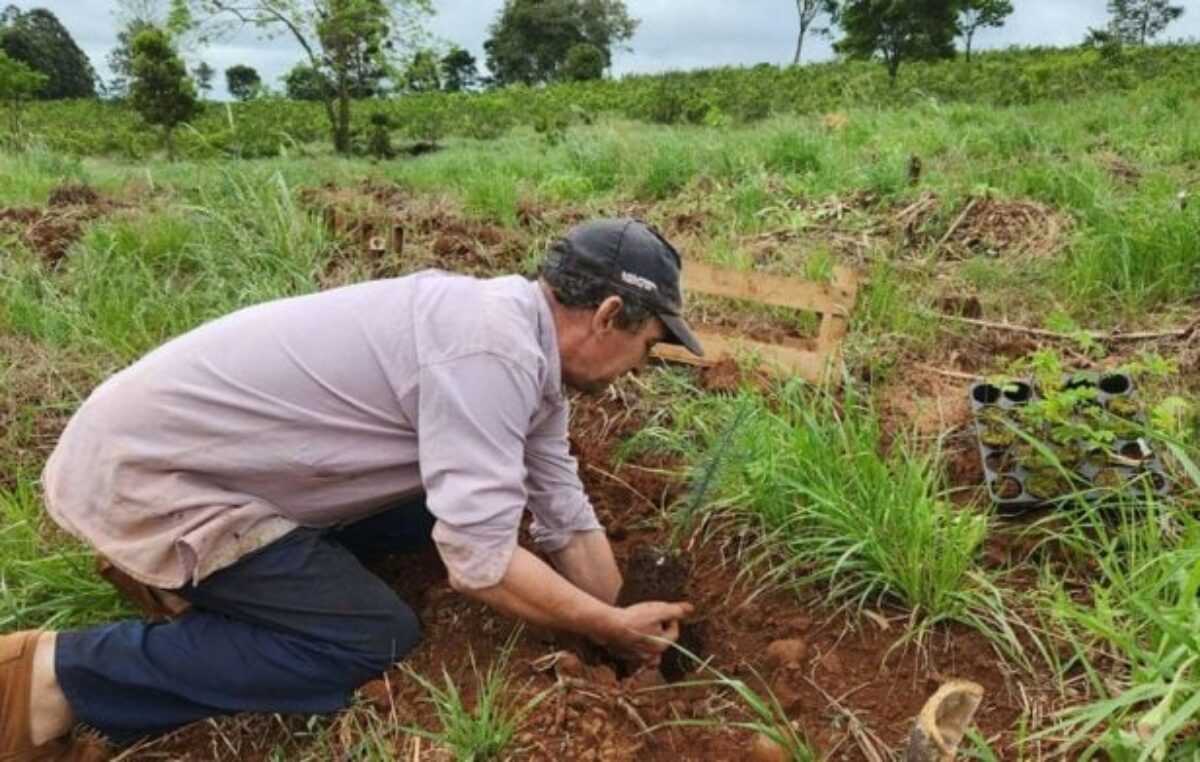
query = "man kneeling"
x=245 y=470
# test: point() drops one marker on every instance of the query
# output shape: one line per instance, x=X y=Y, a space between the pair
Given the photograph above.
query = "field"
x=839 y=543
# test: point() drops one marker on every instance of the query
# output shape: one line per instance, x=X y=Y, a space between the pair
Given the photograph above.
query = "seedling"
x=660 y=574
x=1057 y=434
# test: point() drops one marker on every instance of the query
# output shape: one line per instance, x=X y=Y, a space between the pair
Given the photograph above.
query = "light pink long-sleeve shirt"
x=321 y=410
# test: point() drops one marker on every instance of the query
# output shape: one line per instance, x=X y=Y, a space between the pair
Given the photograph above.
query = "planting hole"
x=653 y=575
x=1018 y=392
x=1116 y=383
x=986 y=394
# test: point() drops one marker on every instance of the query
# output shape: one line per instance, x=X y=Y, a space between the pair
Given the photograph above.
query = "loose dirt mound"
x=51 y=231
x=1005 y=227
x=1120 y=169
x=386 y=230
x=74 y=194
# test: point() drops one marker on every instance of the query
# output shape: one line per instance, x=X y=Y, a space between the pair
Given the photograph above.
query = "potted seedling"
x=1064 y=431
x=1047 y=484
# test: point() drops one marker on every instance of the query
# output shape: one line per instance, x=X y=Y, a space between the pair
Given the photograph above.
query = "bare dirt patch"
x=49 y=231
x=982 y=226
x=994 y=227
x=386 y=230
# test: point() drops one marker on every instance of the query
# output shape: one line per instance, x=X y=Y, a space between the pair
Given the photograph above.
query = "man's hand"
x=645 y=630
x=532 y=591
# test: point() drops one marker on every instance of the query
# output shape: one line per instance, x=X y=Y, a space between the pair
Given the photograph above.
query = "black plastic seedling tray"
x=1096 y=477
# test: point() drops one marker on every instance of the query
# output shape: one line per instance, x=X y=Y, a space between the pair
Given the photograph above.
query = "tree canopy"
x=898 y=30
x=584 y=62
x=459 y=70
x=18 y=83
x=37 y=39
x=423 y=73
x=304 y=83
x=810 y=11
x=531 y=39
x=1136 y=21
x=352 y=44
x=242 y=81
x=974 y=15
x=204 y=74
x=160 y=89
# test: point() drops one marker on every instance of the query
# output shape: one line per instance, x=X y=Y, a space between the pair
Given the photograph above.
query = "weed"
x=485 y=728
x=46 y=580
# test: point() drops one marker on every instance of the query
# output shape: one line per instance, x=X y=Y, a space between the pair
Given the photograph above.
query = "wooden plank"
x=811 y=366
x=834 y=327
x=774 y=290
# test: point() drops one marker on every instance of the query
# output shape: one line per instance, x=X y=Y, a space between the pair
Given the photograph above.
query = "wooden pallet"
x=833 y=301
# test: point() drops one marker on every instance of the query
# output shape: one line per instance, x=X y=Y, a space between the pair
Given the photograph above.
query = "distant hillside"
x=715 y=97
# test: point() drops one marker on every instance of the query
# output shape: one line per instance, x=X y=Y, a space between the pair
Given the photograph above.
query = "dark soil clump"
x=74 y=194
x=653 y=575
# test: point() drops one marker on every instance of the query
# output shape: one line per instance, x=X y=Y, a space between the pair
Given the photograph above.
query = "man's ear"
x=605 y=317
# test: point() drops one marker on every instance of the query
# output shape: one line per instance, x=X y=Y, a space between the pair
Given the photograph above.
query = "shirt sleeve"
x=559 y=505
x=474 y=416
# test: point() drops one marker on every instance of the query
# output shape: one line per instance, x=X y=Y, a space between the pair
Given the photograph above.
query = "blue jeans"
x=294 y=627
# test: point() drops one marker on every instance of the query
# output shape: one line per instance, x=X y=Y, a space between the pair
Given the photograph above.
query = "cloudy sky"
x=673 y=34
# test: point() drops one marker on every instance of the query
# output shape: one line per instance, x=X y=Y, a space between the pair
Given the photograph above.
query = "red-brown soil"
x=49 y=231
x=850 y=683
x=847 y=682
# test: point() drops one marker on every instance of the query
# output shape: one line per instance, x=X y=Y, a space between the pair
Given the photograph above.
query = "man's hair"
x=582 y=291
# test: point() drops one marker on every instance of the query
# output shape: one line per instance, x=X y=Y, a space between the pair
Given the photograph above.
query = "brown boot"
x=16 y=677
x=155 y=604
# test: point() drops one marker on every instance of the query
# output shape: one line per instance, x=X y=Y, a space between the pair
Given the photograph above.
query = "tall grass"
x=482 y=729
x=46 y=579
x=1129 y=626
x=136 y=280
x=835 y=506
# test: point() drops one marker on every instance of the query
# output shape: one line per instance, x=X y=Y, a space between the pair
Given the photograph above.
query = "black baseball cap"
x=636 y=261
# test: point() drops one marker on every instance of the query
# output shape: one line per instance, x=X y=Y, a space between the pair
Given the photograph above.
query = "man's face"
x=609 y=352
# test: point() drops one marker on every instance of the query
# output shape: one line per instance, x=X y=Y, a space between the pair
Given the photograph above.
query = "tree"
x=898 y=30
x=423 y=74
x=38 y=40
x=810 y=11
x=242 y=81
x=134 y=17
x=160 y=89
x=974 y=15
x=18 y=84
x=585 y=62
x=530 y=39
x=203 y=74
x=1135 y=21
x=304 y=83
x=120 y=58
x=459 y=71
x=351 y=43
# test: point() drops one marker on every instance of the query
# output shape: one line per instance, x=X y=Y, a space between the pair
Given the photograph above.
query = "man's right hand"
x=533 y=591
x=644 y=630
